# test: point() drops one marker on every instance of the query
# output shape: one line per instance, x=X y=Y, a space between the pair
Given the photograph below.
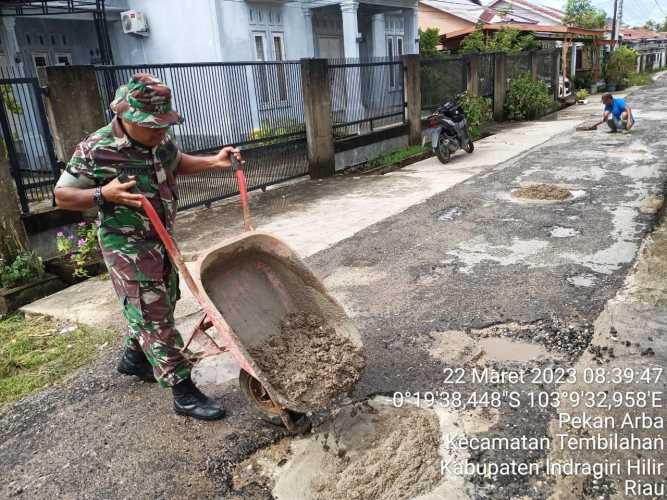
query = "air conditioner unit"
x=134 y=22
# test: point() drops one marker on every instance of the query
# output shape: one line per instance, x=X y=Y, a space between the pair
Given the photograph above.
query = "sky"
x=635 y=12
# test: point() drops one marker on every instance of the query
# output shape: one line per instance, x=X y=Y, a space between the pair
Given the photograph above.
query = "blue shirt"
x=617 y=107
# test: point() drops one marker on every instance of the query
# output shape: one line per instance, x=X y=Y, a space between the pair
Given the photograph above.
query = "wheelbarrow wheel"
x=264 y=407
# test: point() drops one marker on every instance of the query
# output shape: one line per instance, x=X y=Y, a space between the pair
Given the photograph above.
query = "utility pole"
x=614 y=26
x=620 y=19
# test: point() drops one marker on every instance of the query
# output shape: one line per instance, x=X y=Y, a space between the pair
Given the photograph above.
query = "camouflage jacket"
x=129 y=243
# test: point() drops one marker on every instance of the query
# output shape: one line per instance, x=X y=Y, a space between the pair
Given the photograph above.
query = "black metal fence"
x=487 y=71
x=366 y=95
x=26 y=139
x=257 y=106
x=441 y=79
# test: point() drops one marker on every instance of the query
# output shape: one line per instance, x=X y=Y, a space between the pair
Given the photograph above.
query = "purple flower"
x=97 y=221
x=70 y=237
x=81 y=224
x=82 y=242
x=60 y=234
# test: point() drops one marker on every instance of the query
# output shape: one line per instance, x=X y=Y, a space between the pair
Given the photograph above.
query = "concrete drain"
x=378 y=449
x=449 y=214
x=542 y=192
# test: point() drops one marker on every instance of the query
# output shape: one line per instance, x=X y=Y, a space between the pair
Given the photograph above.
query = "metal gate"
x=27 y=142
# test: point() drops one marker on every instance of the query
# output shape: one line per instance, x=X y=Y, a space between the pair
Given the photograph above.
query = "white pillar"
x=308 y=30
x=411 y=30
x=348 y=10
x=9 y=24
x=354 y=109
x=379 y=38
x=573 y=64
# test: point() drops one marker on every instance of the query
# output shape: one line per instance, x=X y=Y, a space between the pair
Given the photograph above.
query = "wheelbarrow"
x=246 y=286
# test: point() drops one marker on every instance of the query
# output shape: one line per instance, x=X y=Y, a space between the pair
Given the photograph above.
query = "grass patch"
x=38 y=352
x=638 y=79
x=396 y=156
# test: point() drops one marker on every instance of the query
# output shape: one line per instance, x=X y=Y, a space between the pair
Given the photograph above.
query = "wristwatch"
x=98 y=197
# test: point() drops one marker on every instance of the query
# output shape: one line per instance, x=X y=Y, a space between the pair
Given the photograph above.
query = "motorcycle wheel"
x=442 y=150
x=469 y=148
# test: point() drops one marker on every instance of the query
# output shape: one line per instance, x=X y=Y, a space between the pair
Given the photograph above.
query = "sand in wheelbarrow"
x=309 y=362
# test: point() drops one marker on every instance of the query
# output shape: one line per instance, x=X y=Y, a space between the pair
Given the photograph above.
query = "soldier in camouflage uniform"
x=138 y=143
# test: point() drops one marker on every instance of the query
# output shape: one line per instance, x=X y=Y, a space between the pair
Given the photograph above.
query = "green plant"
x=583 y=80
x=581 y=94
x=429 y=39
x=620 y=65
x=527 y=99
x=281 y=127
x=505 y=40
x=637 y=79
x=80 y=247
x=582 y=13
x=395 y=156
x=478 y=110
x=25 y=267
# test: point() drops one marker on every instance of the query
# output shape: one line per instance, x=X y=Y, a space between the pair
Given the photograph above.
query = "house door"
x=330 y=47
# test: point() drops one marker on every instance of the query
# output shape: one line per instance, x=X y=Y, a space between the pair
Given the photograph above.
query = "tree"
x=583 y=14
x=505 y=40
x=429 y=39
x=655 y=25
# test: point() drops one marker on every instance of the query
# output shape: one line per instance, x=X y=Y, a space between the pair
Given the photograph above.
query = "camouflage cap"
x=145 y=100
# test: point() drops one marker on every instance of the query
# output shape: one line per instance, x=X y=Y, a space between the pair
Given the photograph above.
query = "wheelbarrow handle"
x=174 y=253
x=243 y=192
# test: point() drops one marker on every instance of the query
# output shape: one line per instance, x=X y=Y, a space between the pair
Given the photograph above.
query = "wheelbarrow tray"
x=249 y=283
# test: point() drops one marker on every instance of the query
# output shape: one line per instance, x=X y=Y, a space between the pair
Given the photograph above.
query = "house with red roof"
x=650 y=45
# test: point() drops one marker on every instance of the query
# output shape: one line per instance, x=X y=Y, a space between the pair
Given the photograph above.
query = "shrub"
x=26 y=267
x=429 y=39
x=637 y=79
x=621 y=65
x=478 y=110
x=527 y=99
x=581 y=94
x=506 y=40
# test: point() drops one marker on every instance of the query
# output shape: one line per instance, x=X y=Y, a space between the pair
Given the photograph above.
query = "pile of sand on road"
x=309 y=362
x=400 y=462
x=542 y=192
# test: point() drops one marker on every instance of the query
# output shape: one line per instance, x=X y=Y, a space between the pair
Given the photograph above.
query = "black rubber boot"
x=190 y=402
x=135 y=363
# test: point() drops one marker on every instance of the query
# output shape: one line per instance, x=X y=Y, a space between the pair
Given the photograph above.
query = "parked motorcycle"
x=449 y=130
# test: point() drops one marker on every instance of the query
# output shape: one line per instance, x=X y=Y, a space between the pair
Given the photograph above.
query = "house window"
x=579 y=63
x=63 y=59
x=394 y=50
x=278 y=55
x=40 y=59
x=261 y=76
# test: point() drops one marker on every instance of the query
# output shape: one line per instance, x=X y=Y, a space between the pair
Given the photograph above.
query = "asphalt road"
x=468 y=258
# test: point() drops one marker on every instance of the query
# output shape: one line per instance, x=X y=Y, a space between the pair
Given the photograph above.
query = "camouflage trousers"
x=148 y=307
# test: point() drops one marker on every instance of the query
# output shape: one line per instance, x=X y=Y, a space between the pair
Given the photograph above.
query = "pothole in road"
x=513 y=342
x=449 y=214
x=367 y=450
x=562 y=232
x=582 y=280
x=549 y=192
x=459 y=348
